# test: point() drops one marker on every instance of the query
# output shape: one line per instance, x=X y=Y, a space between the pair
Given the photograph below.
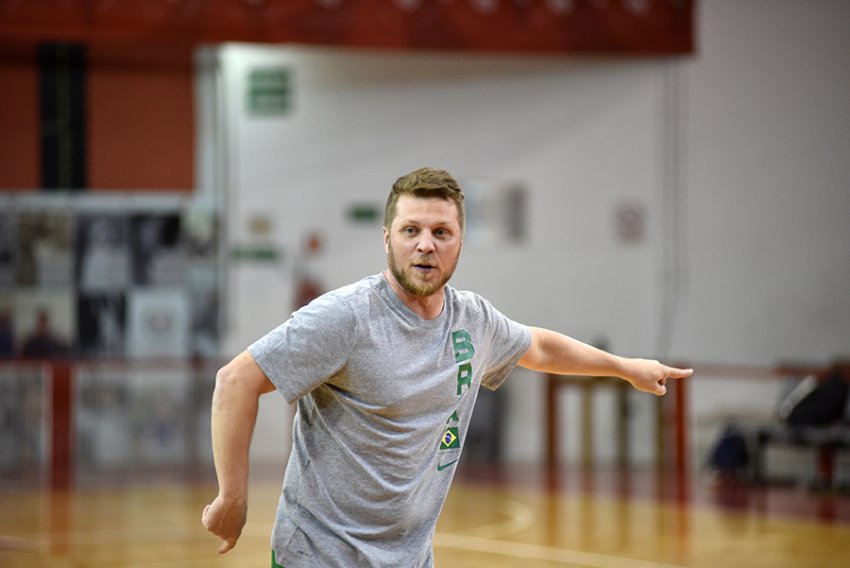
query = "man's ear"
x=386 y=241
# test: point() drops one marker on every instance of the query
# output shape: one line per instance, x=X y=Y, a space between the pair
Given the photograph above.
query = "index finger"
x=676 y=373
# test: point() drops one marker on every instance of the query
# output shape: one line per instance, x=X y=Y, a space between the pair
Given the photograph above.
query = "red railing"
x=62 y=397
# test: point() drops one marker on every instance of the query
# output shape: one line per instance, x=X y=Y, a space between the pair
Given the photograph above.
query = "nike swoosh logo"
x=442 y=466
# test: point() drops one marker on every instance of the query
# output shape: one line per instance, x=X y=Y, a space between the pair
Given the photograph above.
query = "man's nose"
x=426 y=242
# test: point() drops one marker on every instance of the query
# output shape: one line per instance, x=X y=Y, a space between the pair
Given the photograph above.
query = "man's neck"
x=427 y=307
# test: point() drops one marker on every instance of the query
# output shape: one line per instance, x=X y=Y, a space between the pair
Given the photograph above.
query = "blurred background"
x=662 y=178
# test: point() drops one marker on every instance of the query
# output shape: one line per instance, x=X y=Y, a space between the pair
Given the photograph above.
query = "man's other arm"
x=238 y=387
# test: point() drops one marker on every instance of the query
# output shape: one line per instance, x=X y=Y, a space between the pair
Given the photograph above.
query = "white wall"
x=769 y=183
x=739 y=155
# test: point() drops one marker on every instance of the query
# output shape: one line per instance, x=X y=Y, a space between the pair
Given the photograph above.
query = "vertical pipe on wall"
x=213 y=157
x=674 y=244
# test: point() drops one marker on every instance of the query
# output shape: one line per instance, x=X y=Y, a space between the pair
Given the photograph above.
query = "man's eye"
x=409 y=231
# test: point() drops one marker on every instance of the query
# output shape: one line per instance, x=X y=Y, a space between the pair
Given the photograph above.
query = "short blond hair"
x=423 y=183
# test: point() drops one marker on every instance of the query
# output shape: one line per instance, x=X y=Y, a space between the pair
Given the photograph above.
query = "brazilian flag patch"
x=450 y=439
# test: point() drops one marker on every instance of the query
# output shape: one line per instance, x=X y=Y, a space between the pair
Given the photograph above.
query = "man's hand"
x=651 y=376
x=225 y=520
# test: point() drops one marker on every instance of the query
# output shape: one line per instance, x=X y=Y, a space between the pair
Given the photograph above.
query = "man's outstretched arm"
x=238 y=387
x=553 y=352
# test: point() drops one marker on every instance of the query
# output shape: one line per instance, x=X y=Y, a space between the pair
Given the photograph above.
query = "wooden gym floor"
x=494 y=517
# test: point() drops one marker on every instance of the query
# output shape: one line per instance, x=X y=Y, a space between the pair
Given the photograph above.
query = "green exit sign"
x=270 y=91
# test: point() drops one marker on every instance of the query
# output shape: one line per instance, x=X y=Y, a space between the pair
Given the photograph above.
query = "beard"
x=406 y=276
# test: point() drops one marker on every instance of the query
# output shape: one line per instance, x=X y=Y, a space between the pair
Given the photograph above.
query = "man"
x=385 y=372
x=43 y=342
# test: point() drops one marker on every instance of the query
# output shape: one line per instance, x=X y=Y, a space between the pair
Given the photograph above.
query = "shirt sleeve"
x=309 y=348
x=509 y=342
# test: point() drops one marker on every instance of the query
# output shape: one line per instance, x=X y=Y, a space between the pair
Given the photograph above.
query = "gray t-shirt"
x=384 y=399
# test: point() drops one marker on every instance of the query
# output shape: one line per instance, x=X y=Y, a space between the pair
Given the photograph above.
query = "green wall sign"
x=270 y=91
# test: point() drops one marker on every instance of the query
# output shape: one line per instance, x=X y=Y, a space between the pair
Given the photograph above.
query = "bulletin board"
x=108 y=276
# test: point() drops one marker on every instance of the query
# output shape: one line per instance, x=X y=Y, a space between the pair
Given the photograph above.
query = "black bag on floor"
x=730 y=454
